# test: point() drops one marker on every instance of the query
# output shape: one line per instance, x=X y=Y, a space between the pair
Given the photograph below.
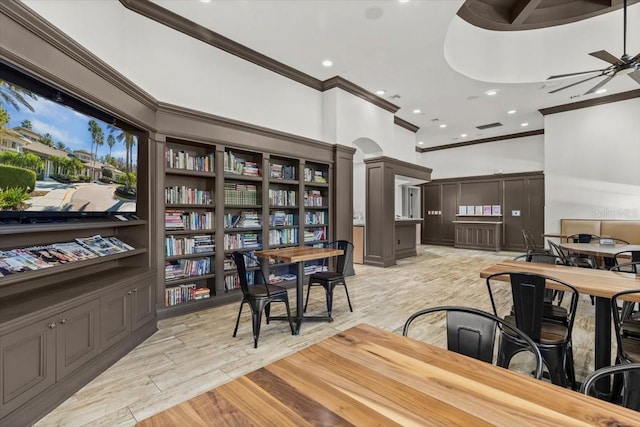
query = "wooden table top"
x=367 y=376
x=596 y=249
x=588 y=281
x=299 y=253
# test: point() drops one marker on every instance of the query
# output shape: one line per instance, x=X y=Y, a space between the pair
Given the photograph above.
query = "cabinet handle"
x=52 y=325
x=135 y=289
x=63 y=321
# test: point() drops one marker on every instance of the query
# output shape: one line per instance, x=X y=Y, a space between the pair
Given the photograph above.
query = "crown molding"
x=405 y=124
x=616 y=97
x=493 y=177
x=481 y=141
x=358 y=91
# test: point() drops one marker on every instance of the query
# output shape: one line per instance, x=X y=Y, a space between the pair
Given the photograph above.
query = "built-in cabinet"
x=520 y=197
x=220 y=198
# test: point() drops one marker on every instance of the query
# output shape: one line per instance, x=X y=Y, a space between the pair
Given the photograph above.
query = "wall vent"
x=490 y=125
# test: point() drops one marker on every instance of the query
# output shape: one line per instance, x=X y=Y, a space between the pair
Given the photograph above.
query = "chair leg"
x=329 y=297
x=256 y=318
x=304 y=310
x=235 y=331
x=267 y=311
x=348 y=299
x=569 y=367
x=286 y=303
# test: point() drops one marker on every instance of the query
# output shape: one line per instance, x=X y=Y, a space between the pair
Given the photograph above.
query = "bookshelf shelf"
x=185 y=256
x=283 y=181
x=188 y=232
x=316 y=184
x=237 y=230
x=235 y=177
x=186 y=172
x=190 y=279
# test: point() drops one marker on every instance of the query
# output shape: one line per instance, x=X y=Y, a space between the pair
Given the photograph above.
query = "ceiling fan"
x=625 y=65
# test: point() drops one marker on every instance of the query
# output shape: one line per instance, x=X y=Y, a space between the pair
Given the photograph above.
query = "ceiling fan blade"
x=576 y=83
x=599 y=85
x=559 y=76
x=607 y=57
x=636 y=58
x=636 y=76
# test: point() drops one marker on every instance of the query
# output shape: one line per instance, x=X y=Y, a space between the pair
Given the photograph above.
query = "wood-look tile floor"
x=193 y=353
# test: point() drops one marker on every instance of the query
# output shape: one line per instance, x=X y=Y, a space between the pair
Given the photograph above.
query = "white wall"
x=404 y=145
x=214 y=81
x=592 y=163
x=509 y=156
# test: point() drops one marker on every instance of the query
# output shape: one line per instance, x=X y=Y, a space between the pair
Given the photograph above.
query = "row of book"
x=246 y=219
x=181 y=159
x=279 y=171
x=281 y=219
x=232 y=281
x=282 y=197
x=314 y=268
x=249 y=261
x=178 y=269
x=239 y=166
x=241 y=241
x=240 y=194
x=39 y=257
x=283 y=237
x=186 y=245
x=181 y=220
x=185 y=195
x=184 y=293
x=313 y=234
x=318 y=217
x=313 y=198
x=314 y=175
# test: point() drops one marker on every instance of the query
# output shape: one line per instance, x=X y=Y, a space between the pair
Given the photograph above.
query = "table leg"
x=299 y=292
x=602 y=356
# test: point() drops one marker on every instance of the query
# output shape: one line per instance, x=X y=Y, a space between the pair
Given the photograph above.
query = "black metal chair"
x=553 y=310
x=259 y=297
x=472 y=332
x=330 y=279
x=573 y=260
x=530 y=242
x=626 y=377
x=552 y=338
x=625 y=257
x=627 y=327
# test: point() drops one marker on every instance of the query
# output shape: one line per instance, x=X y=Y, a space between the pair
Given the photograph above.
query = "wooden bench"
x=628 y=230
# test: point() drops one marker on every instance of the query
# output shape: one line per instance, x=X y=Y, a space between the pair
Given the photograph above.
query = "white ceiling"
x=403 y=52
x=419 y=50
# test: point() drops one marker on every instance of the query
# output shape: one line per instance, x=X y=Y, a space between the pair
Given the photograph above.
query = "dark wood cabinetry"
x=478 y=235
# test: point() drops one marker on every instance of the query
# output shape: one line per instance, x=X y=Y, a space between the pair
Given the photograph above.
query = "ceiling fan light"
x=626 y=71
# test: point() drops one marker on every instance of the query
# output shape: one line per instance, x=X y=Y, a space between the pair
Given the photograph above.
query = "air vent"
x=489 y=126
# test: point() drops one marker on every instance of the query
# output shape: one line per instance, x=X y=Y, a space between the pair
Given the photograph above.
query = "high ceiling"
x=423 y=55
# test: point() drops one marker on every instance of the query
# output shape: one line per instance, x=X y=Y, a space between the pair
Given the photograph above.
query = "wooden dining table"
x=298 y=255
x=598 y=250
x=601 y=284
x=367 y=376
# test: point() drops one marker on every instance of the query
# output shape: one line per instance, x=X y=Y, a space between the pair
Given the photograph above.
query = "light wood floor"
x=194 y=353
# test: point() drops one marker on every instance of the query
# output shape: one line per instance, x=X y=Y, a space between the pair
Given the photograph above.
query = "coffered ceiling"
x=433 y=64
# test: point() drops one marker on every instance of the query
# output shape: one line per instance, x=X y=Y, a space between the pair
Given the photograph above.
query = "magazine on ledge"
x=99 y=245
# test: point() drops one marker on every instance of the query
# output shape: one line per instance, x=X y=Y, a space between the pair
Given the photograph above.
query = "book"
x=462 y=210
x=495 y=210
x=486 y=210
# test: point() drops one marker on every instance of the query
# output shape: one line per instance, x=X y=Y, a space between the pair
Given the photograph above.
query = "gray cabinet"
x=478 y=235
x=125 y=309
x=34 y=357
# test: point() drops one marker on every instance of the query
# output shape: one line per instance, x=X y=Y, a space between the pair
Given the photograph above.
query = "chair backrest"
x=529 y=291
x=239 y=260
x=472 y=332
x=627 y=267
x=529 y=241
x=624 y=257
x=342 y=261
x=555 y=248
x=629 y=373
x=582 y=238
x=619 y=313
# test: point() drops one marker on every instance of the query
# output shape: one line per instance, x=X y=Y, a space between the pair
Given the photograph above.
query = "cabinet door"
x=115 y=316
x=77 y=337
x=143 y=303
x=27 y=363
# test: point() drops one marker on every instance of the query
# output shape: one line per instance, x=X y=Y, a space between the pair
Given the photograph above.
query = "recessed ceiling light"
x=511 y=112
x=380 y=92
x=205 y=1
x=601 y=91
x=491 y=92
x=327 y=63
x=416 y=111
x=443 y=125
x=403 y=1
x=420 y=142
x=524 y=125
x=463 y=135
